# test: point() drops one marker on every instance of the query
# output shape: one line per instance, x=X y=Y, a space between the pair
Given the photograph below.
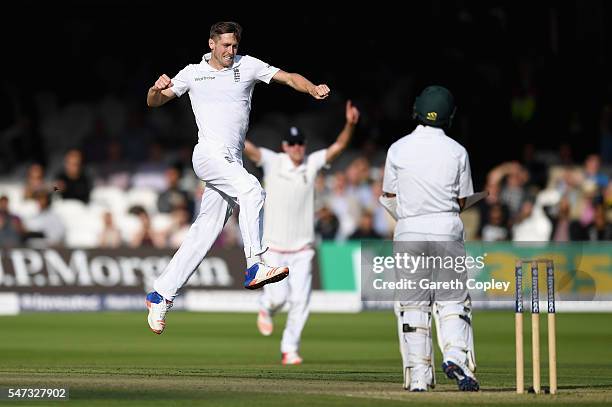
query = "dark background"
x=378 y=54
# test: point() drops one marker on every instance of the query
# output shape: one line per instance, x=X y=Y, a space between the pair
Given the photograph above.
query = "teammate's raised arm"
x=252 y=151
x=160 y=93
x=352 y=117
x=301 y=84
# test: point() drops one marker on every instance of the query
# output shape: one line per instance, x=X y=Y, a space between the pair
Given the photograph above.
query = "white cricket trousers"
x=454 y=334
x=227 y=184
x=294 y=289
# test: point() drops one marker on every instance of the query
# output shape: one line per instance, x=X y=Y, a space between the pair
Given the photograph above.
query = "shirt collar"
x=208 y=67
x=429 y=130
x=289 y=166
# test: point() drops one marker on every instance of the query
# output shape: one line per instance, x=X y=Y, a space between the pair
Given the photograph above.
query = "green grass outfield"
x=221 y=360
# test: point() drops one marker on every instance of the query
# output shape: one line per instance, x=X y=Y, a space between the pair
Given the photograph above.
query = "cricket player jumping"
x=289 y=183
x=220 y=88
x=427 y=178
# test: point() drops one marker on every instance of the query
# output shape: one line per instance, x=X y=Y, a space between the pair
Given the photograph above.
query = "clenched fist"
x=162 y=83
x=319 y=92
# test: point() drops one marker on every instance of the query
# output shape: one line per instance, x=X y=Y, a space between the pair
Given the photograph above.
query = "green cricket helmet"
x=435 y=106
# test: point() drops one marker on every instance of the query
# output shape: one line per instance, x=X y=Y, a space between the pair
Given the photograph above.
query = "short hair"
x=226 y=27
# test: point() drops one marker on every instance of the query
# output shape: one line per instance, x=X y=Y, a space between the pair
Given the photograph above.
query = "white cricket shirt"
x=289 y=205
x=428 y=171
x=221 y=99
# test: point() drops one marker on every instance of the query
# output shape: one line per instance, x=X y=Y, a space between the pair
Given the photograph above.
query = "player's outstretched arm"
x=352 y=117
x=252 y=151
x=160 y=93
x=301 y=84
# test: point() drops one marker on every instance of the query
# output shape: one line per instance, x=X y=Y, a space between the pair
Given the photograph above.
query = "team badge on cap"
x=294 y=136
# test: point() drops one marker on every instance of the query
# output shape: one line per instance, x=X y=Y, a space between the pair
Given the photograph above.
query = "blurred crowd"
x=532 y=201
x=545 y=196
x=153 y=204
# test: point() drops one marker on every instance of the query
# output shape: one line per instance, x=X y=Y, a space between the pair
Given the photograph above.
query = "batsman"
x=426 y=182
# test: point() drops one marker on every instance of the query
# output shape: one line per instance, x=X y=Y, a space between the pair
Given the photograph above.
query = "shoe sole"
x=278 y=277
x=264 y=332
x=158 y=332
x=292 y=364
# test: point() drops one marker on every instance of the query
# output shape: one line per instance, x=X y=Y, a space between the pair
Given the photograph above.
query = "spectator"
x=607 y=196
x=586 y=206
x=110 y=237
x=384 y=223
x=321 y=191
x=344 y=206
x=532 y=224
x=513 y=193
x=570 y=185
x=592 y=171
x=357 y=179
x=11 y=228
x=564 y=229
x=493 y=199
x=600 y=229
x=146 y=236
x=35 y=181
x=181 y=221
x=72 y=182
x=174 y=197
x=46 y=228
x=327 y=224
x=495 y=227
x=512 y=177
x=365 y=228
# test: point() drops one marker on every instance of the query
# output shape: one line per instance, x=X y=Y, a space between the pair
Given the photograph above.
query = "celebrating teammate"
x=220 y=88
x=289 y=183
x=427 y=178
